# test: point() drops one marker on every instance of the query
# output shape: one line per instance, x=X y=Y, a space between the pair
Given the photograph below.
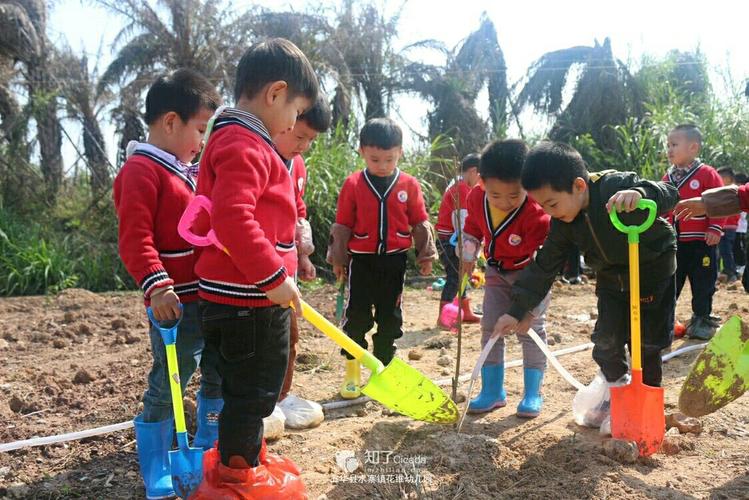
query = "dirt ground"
x=79 y=360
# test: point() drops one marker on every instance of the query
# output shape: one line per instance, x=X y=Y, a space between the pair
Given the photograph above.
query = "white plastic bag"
x=592 y=403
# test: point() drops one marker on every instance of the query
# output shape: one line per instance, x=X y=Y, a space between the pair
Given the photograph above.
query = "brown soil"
x=79 y=360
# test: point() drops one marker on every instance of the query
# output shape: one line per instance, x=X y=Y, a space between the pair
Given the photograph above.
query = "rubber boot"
x=443 y=303
x=492 y=393
x=351 y=387
x=208 y=413
x=468 y=316
x=532 y=401
x=154 y=440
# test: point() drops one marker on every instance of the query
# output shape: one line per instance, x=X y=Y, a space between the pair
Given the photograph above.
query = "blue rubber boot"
x=532 y=401
x=154 y=440
x=492 y=393
x=208 y=413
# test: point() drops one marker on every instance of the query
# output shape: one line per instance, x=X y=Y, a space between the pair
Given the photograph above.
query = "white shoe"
x=301 y=413
x=273 y=425
x=605 y=429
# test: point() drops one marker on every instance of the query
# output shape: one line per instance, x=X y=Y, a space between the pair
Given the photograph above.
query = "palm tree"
x=475 y=64
x=181 y=34
x=605 y=93
x=23 y=39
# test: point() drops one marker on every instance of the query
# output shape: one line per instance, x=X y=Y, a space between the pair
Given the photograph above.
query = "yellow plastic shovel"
x=398 y=385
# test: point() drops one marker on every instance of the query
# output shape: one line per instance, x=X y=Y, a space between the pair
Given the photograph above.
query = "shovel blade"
x=186 y=465
x=405 y=389
x=637 y=414
x=720 y=374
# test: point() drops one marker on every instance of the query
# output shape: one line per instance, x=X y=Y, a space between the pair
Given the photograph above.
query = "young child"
x=448 y=214
x=717 y=202
x=150 y=193
x=300 y=413
x=579 y=203
x=696 y=255
x=740 y=246
x=512 y=227
x=730 y=227
x=380 y=213
x=247 y=287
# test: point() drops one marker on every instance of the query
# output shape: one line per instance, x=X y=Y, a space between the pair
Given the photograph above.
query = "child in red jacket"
x=448 y=215
x=696 y=255
x=730 y=226
x=300 y=413
x=150 y=193
x=380 y=214
x=246 y=289
x=512 y=227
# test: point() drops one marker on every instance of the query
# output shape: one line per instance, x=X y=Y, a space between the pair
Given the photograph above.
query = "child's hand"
x=306 y=270
x=686 y=209
x=504 y=325
x=624 y=201
x=425 y=268
x=711 y=239
x=340 y=272
x=286 y=294
x=165 y=305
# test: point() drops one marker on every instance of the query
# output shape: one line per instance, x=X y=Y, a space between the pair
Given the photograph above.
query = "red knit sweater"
x=700 y=177
x=458 y=191
x=150 y=193
x=513 y=243
x=254 y=213
x=298 y=172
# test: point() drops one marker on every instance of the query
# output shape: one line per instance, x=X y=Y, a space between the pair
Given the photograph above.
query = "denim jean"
x=726 y=252
x=191 y=352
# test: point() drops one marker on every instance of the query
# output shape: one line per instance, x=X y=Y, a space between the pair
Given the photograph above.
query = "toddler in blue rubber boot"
x=512 y=227
x=151 y=191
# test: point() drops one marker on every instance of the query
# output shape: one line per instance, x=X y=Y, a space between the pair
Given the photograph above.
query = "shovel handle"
x=169 y=335
x=633 y=232
x=336 y=335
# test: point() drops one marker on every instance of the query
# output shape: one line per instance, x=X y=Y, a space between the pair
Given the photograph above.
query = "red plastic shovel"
x=637 y=409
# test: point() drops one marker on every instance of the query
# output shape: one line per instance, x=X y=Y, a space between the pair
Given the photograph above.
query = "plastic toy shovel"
x=398 y=385
x=637 y=409
x=186 y=463
x=720 y=374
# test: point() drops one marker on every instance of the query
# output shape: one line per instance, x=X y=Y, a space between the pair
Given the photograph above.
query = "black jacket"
x=605 y=248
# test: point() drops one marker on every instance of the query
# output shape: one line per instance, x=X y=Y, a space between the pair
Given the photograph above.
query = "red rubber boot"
x=468 y=316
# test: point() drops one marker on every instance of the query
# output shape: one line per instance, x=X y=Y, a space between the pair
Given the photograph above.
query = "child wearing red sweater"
x=150 y=193
x=381 y=213
x=247 y=288
x=697 y=238
x=512 y=227
x=298 y=412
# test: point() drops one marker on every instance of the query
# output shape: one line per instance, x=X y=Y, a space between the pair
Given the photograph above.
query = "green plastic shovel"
x=721 y=372
x=398 y=385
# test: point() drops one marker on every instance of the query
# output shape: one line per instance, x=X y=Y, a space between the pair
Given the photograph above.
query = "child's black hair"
x=381 y=133
x=503 y=160
x=727 y=172
x=555 y=165
x=273 y=60
x=741 y=178
x=469 y=161
x=691 y=131
x=184 y=92
x=318 y=117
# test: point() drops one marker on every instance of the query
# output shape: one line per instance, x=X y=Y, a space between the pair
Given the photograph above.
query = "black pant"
x=253 y=347
x=451 y=263
x=375 y=281
x=739 y=249
x=572 y=268
x=612 y=331
x=698 y=262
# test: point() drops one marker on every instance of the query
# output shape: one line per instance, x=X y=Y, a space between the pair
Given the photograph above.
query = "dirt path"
x=79 y=360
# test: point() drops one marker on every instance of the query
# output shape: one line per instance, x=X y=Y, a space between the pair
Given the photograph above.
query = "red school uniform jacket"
x=512 y=244
x=458 y=191
x=699 y=178
x=744 y=197
x=380 y=224
x=298 y=173
x=150 y=193
x=254 y=213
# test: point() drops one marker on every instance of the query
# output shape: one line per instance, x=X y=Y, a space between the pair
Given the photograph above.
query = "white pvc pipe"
x=553 y=360
x=72 y=436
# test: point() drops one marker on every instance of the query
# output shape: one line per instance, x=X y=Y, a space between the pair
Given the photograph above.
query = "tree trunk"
x=49 y=132
x=96 y=155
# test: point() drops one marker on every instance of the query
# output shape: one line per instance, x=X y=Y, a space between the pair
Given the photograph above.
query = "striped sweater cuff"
x=716 y=229
x=156 y=278
x=273 y=281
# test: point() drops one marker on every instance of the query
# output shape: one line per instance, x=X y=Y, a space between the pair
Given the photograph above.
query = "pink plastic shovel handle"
x=184 y=228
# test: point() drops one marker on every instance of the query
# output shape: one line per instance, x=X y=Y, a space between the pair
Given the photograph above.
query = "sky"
x=526 y=30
